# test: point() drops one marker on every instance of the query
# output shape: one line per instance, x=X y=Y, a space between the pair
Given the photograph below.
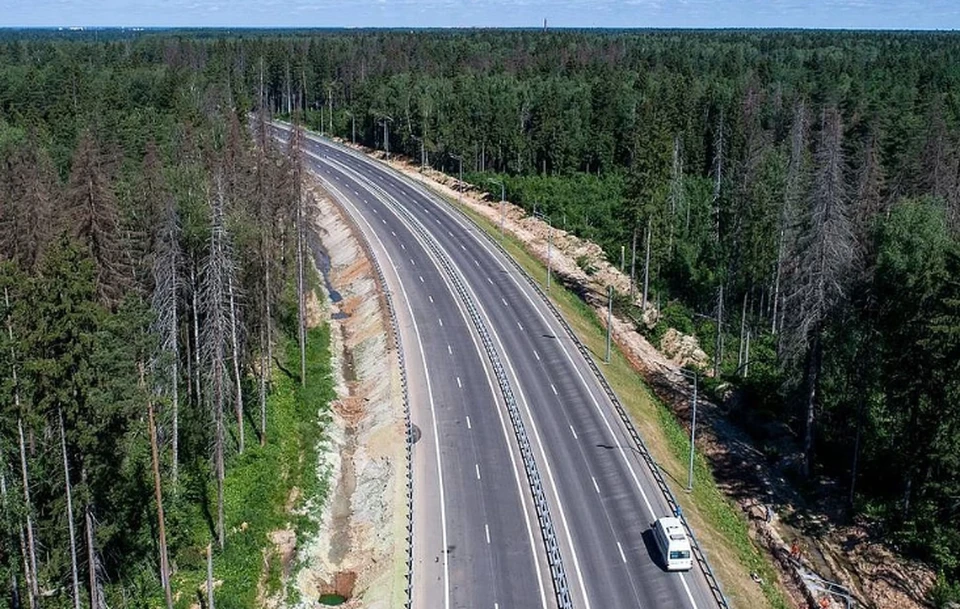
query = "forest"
x=161 y=392
x=790 y=197
x=793 y=199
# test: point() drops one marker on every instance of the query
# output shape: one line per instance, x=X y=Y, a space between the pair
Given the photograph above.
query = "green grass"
x=717 y=522
x=258 y=483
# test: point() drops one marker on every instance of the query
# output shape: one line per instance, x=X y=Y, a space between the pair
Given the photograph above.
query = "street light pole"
x=693 y=427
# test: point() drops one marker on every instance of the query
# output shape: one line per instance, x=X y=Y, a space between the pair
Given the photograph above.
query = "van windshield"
x=679 y=555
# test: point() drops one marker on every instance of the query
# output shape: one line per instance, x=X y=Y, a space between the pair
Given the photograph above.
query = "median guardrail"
x=709 y=576
x=534 y=480
x=708 y=573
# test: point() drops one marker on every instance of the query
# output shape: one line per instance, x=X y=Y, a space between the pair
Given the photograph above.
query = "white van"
x=673 y=543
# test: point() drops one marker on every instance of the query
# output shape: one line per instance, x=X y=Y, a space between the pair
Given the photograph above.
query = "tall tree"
x=826 y=255
x=218 y=269
x=91 y=215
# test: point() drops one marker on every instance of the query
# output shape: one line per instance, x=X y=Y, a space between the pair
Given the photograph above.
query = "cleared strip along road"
x=603 y=524
x=491 y=548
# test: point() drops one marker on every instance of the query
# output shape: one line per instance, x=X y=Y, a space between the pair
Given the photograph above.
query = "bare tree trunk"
x=718 y=178
x=75 y=580
x=217 y=274
x=175 y=405
x=209 y=577
x=633 y=268
x=158 y=492
x=646 y=270
x=718 y=354
x=188 y=352
x=743 y=332
x=301 y=300
x=95 y=600
x=33 y=586
x=676 y=190
x=746 y=359
x=219 y=462
x=14 y=584
x=30 y=567
x=196 y=331
x=813 y=381
x=236 y=361
x=776 y=283
x=861 y=402
x=264 y=363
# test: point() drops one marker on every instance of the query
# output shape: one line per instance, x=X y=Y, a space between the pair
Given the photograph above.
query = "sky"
x=858 y=14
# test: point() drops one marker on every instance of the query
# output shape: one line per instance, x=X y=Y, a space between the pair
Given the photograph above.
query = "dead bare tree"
x=266 y=217
x=718 y=145
x=7 y=526
x=217 y=272
x=167 y=270
x=793 y=192
x=677 y=196
x=825 y=257
x=30 y=564
x=25 y=219
x=158 y=496
x=235 y=356
x=33 y=585
x=93 y=558
x=296 y=163
x=75 y=580
x=91 y=210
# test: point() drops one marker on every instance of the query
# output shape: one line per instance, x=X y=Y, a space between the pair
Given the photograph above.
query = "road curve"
x=601 y=492
x=476 y=541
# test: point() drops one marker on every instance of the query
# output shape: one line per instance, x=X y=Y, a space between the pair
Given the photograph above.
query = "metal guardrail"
x=714 y=585
x=398 y=348
x=535 y=482
x=698 y=553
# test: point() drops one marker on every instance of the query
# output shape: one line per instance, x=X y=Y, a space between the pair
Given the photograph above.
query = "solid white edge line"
x=521 y=489
x=433 y=415
x=521 y=284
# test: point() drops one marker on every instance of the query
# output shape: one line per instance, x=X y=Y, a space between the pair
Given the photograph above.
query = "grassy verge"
x=259 y=484
x=718 y=523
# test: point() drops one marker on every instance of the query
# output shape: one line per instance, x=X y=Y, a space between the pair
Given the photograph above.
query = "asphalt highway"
x=476 y=540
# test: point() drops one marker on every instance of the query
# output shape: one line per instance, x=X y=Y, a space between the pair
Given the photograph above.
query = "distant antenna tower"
x=544 y=24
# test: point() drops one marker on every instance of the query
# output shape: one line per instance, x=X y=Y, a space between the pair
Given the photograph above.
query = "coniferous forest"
x=799 y=191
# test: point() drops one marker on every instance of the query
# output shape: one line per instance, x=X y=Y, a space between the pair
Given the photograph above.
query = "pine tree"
x=91 y=215
x=826 y=257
